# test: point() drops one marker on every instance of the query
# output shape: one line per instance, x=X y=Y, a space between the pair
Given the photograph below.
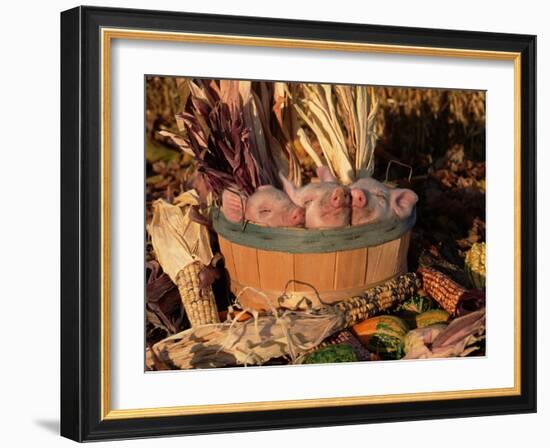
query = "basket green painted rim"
x=304 y=241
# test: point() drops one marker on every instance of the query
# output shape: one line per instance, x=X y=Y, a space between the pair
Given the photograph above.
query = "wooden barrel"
x=271 y=267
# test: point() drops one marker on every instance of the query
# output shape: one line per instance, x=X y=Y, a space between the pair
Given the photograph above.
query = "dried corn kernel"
x=200 y=304
x=441 y=288
x=474 y=264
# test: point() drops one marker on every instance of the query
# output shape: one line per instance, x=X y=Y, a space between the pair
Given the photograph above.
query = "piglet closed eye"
x=372 y=201
x=267 y=206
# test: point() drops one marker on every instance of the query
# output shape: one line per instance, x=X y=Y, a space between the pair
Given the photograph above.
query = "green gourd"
x=431 y=317
x=383 y=335
x=332 y=354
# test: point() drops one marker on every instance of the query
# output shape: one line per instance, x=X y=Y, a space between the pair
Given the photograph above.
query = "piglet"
x=267 y=206
x=326 y=204
x=373 y=202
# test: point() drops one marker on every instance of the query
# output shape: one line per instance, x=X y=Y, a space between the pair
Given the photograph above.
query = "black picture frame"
x=81 y=208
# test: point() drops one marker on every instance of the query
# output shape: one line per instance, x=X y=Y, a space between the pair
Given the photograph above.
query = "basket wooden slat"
x=275 y=268
x=351 y=265
x=246 y=265
x=334 y=276
x=226 y=250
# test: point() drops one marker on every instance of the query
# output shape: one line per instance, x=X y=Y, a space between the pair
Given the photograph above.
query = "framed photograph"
x=276 y=224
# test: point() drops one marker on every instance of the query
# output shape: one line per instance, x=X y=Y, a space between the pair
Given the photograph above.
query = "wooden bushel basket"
x=330 y=265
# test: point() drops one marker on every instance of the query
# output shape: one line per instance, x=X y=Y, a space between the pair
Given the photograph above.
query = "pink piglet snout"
x=359 y=198
x=340 y=197
x=297 y=217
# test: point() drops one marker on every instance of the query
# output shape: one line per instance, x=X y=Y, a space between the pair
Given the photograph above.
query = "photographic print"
x=292 y=223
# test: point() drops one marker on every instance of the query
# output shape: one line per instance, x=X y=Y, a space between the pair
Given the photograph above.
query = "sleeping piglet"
x=267 y=206
x=327 y=204
x=373 y=202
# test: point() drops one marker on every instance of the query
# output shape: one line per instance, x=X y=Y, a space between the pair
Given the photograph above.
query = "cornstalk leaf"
x=179 y=140
x=304 y=140
x=332 y=144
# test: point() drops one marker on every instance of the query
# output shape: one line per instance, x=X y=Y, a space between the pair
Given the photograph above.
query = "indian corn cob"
x=475 y=265
x=378 y=298
x=199 y=303
x=442 y=289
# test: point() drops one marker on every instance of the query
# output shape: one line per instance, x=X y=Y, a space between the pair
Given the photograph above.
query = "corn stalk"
x=342 y=119
x=286 y=129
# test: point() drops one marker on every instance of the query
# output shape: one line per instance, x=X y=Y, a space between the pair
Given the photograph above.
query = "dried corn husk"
x=182 y=247
x=280 y=333
x=256 y=116
x=176 y=239
x=459 y=338
x=343 y=120
x=226 y=127
x=286 y=132
x=216 y=135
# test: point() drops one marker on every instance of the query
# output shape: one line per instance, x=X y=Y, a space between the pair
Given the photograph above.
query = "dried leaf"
x=179 y=140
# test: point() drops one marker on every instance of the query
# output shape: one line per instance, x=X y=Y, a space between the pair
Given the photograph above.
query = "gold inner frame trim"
x=107 y=35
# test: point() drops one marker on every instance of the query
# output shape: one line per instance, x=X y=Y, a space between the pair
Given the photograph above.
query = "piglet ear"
x=324 y=174
x=289 y=188
x=403 y=201
x=233 y=206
